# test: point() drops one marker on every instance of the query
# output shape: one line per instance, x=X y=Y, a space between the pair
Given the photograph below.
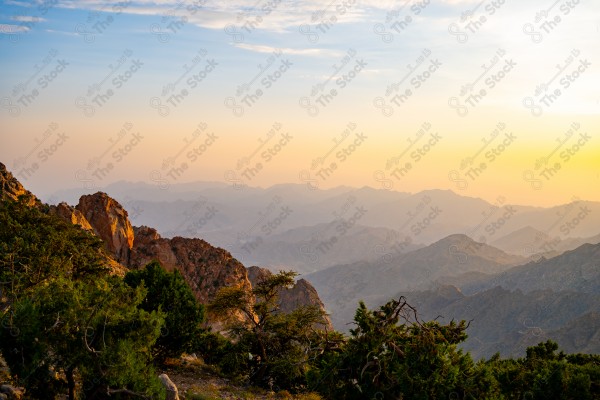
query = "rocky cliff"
x=11 y=188
x=205 y=268
x=301 y=294
x=110 y=222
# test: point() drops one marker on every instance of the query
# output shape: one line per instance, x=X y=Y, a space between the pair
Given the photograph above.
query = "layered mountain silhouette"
x=509 y=321
x=576 y=270
x=519 y=274
x=510 y=307
x=341 y=286
x=277 y=225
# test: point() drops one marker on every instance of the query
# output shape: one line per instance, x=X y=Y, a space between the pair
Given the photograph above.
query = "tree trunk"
x=263 y=358
x=71 y=382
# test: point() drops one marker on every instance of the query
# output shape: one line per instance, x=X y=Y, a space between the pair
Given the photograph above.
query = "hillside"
x=535 y=244
x=342 y=286
x=575 y=270
x=509 y=321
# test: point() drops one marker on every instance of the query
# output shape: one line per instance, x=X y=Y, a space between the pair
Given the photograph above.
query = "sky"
x=493 y=98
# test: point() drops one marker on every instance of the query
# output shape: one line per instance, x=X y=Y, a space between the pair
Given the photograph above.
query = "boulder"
x=172 y=392
x=11 y=392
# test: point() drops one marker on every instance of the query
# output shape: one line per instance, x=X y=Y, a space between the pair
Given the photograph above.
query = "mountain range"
x=282 y=224
x=519 y=274
x=511 y=304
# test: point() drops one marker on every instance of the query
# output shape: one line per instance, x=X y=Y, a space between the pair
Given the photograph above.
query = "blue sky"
x=392 y=65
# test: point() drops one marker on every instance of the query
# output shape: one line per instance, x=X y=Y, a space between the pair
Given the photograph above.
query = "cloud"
x=286 y=50
x=9 y=29
x=212 y=14
x=18 y=3
x=62 y=32
x=26 y=18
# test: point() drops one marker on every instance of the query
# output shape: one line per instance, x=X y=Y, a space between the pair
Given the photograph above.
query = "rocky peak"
x=301 y=294
x=11 y=188
x=110 y=222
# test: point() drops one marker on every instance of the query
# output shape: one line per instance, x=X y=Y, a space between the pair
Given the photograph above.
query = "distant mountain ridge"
x=342 y=286
x=231 y=217
x=530 y=242
x=575 y=270
x=512 y=302
x=509 y=321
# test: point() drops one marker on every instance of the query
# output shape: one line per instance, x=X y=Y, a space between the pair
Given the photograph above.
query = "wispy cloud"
x=18 y=3
x=62 y=32
x=26 y=18
x=9 y=29
x=211 y=14
x=286 y=50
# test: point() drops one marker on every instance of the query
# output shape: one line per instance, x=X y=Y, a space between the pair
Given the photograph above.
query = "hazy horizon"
x=51 y=195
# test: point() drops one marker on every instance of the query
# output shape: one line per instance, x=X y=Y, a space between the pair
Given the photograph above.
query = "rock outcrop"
x=170 y=388
x=11 y=188
x=301 y=294
x=72 y=215
x=110 y=222
x=205 y=268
